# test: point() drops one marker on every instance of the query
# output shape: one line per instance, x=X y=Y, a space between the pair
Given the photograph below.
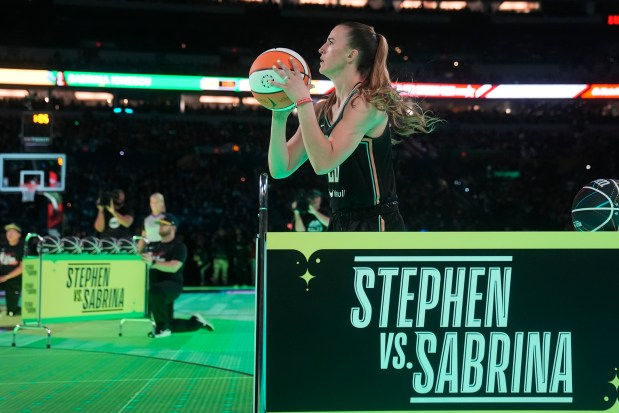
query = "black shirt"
x=113 y=227
x=10 y=257
x=312 y=224
x=174 y=250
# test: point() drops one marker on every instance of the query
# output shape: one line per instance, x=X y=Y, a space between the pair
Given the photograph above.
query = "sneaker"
x=205 y=323
x=160 y=333
x=13 y=314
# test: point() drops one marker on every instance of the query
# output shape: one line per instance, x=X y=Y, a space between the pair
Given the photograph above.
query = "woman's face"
x=334 y=52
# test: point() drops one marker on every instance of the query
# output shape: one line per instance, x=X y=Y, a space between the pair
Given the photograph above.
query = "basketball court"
x=99 y=366
x=90 y=368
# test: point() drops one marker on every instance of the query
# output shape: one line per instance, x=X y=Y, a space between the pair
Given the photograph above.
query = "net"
x=28 y=192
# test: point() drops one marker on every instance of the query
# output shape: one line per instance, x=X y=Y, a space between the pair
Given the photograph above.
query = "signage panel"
x=388 y=322
x=84 y=287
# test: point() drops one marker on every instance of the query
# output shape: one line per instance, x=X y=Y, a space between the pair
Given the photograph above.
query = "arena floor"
x=90 y=368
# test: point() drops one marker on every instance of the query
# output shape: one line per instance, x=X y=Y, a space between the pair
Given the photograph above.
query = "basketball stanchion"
x=38 y=325
x=259 y=379
x=147 y=318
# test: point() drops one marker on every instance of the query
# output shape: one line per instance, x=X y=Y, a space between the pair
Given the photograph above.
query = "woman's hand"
x=292 y=83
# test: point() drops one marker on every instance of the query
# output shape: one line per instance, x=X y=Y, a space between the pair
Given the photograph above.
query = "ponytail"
x=406 y=118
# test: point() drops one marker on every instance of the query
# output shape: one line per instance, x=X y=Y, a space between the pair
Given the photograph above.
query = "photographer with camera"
x=307 y=215
x=114 y=218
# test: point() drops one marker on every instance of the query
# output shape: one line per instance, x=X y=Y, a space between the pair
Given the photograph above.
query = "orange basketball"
x=261 y=71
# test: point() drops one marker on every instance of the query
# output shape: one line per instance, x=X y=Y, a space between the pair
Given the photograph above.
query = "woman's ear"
x=352 y=55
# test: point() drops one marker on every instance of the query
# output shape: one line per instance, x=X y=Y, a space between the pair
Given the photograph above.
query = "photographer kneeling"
x=114 y=218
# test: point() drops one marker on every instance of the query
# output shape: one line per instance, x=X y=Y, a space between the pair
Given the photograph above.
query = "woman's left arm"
x=358 y=119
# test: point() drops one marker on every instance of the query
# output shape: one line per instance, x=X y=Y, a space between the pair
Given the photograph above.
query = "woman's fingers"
x=286 y=72
x=295 y=66
x=285 y=75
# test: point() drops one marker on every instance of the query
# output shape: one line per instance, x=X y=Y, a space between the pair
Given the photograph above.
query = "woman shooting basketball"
x=356 y=119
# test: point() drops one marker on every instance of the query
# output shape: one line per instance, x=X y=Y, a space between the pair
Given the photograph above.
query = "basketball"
x=71 y=245
x=261 y=72
x=127 y=246
x=91 y=245
x=109 y=246
x=50 y=245
x=596 y=206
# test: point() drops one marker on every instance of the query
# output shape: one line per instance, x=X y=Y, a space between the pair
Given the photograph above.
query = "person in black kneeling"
x=11 y=255
x=166 y=259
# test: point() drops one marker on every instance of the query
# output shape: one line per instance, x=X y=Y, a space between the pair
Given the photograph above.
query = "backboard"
x=18 y=171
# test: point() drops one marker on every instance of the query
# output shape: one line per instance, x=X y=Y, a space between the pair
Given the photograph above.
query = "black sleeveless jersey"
x=366 y=177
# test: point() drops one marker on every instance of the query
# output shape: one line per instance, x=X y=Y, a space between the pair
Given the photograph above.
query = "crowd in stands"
x=478 y=171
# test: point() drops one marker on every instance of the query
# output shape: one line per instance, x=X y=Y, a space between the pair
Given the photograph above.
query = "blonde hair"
x=159 y=197
x=406 y=117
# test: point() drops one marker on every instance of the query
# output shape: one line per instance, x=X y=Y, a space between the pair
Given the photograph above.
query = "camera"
x=106 y=197
x=302 y=202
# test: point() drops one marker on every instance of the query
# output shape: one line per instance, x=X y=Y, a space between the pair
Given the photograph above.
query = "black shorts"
x=378 y=218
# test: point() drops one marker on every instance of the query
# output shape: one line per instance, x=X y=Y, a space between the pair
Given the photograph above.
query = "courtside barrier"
x=82 y=287
x=403 y=322
x=34 y=288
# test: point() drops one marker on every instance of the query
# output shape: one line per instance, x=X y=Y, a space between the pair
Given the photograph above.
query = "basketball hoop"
x=28 y=192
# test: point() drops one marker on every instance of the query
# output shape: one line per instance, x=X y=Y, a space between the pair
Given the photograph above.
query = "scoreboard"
x=37 y=124
x=37 y=129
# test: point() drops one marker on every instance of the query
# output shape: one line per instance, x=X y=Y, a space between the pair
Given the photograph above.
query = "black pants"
x=12 y=290
x=378 y=218
x=161 y=299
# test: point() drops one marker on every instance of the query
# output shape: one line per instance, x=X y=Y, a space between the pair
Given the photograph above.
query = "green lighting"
x=145 y=81
x=506 y=174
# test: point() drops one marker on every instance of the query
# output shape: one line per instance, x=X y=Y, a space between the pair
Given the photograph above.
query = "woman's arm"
x=359 y=119
x=285 y=157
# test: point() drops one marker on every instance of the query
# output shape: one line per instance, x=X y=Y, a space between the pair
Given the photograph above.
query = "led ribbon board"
x=109 y=80
x=403 y=322
x=148 y=81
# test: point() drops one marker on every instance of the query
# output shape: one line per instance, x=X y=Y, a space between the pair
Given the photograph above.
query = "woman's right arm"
x=285 y=157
